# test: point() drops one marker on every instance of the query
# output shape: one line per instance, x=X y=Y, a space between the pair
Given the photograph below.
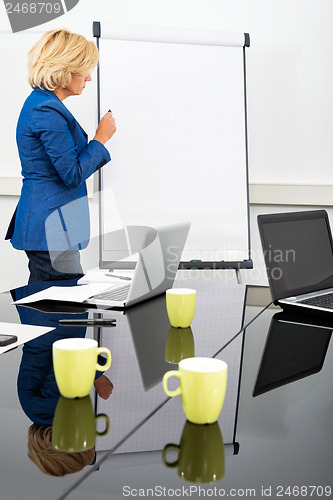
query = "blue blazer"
x=56 y=159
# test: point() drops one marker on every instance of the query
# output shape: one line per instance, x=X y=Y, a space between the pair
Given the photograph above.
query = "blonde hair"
x=56 y=56
x=51 y=461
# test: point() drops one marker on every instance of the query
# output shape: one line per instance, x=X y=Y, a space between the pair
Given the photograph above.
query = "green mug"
x=75 y=364
x=179 y=345
x=200 y=453
x=74 y=425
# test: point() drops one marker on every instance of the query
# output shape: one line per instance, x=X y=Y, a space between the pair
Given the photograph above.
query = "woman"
x=51 y=221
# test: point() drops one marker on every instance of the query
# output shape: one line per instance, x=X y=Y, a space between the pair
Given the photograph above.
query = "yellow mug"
x=200 y=453
x=74 y=425
x=202 y=386
x=180 y=303
x=75 y=364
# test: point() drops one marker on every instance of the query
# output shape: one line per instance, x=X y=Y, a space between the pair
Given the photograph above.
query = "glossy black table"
x=275 y=425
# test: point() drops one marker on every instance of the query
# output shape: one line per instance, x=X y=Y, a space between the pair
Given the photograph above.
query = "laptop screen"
x=298 y=252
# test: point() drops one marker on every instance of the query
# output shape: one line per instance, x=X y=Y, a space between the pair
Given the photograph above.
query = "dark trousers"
x=52 y=266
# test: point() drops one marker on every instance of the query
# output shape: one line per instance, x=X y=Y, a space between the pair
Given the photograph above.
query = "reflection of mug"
x=179 y=344
x=75 y=365
x=74 y=425
x=180 y=304
x=200 y=453
x=202 y=386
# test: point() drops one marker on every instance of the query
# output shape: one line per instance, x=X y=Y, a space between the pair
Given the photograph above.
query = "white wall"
x=290 y=77
x=13 y=263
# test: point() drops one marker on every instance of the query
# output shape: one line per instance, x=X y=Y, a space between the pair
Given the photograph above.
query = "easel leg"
x=238 y=276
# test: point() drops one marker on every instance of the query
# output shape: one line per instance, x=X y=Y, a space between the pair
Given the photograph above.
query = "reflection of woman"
x=51 y=222
x=36 y=384
x=51 y=461
x=38 y=392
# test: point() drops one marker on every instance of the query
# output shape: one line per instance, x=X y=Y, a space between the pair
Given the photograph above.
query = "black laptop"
x=298 y=252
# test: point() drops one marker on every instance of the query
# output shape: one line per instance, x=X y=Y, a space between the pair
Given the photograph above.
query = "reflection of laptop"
x=298 y=252
x=154 y=272
x=293 y=350
x=144 y=322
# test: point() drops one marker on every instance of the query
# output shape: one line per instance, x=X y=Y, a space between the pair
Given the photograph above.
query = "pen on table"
x=119 y=277
x=88 y=322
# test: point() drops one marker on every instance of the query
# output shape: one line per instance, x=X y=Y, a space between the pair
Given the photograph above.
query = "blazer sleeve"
x=73 y=165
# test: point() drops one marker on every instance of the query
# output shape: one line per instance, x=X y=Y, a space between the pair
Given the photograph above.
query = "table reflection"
x=294 y=349
x=143 y=345
x=200 y=453
x=179 y=345
x=274 y=430
x=51 y=461
x=74 y=425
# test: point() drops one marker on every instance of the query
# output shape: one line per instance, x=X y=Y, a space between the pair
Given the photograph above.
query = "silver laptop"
x=298 y=252
x=154 y=272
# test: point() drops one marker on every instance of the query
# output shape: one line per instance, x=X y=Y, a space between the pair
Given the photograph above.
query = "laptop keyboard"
x=320 y=301
x=118 y=294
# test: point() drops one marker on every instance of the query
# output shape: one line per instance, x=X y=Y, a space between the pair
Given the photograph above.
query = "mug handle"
x=167 y=375
x=108 y=360
x=107 y=424
x=165 y=450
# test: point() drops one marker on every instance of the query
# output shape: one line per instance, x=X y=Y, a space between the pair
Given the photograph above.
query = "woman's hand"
x=106 y=128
